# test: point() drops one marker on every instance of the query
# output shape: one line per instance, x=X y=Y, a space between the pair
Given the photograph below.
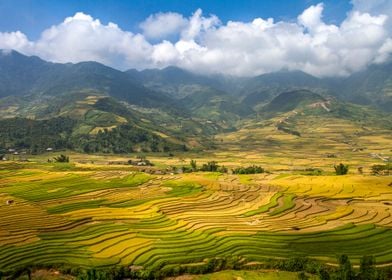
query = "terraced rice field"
x=101 y=216
x=263 y=144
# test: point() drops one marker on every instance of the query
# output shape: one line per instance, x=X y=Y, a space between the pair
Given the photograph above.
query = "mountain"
x=203 y=96
x=101 y=109
x=97 y=100
x=18 y=73
x=215 y=105
x=288 y=101
x=259 y=90
x=22 y=75
x=372 y=86
x=174 y=81
x=295 y=109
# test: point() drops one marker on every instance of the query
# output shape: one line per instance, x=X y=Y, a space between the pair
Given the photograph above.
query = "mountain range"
x=166 y=109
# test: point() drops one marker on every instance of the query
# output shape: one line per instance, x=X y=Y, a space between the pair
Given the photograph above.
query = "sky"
x=241 y=38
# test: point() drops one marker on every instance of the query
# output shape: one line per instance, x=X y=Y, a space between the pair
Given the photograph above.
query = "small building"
x=9 y=202
x=49 y=149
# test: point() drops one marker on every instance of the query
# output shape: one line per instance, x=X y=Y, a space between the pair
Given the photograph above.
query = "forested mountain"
x=99 y=109
x=21 y=75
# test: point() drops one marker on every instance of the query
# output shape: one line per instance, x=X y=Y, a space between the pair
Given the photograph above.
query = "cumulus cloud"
x=373 y=7
x=206 y=45
x=197 y=24
x=311 y=17
x=81 y=38
x=163 y=25
x=14 y=40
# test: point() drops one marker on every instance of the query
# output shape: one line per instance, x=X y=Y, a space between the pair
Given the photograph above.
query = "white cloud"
x=81 y=38
x=384 y=52
x=163 y=25
x=165 y=54
x=311 y=17
x=206 y=45
x=373 y=6
x=14 y=40
x=197 y=24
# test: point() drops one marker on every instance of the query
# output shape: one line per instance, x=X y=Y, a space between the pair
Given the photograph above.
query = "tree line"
x=213 y=166
x=36 y=136
x=302 y=265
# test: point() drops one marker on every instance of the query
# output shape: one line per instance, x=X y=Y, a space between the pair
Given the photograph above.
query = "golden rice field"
x=103 y=215
x=262 y=143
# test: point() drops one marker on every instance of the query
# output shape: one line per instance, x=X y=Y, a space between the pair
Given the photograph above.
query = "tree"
x=367 y=270
x=254 y=169
x=222 y=169
x=341 y=169
x=323 y=274
x=302 y=276
x=19 y=272
x=61 y=158
x=193 y=165
x=211 y=166
x=345 y=271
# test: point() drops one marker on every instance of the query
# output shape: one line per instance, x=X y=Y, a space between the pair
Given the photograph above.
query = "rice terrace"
x=202 y=140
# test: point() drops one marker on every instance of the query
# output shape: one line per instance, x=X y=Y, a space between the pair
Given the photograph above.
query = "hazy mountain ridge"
x=22 y=75
x=372 y=86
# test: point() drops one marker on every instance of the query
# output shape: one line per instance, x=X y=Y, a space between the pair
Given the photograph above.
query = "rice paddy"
x=96 y=215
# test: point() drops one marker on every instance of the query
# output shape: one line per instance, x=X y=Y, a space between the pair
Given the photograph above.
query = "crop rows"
x=163 y=221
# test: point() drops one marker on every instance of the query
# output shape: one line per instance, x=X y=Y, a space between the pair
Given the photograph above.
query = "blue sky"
x=33 y=16
x=241 y=38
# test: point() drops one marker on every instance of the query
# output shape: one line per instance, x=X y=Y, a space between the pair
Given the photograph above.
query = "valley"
x=137 y=196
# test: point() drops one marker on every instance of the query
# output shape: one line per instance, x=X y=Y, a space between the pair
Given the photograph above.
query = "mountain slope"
x=156 y=110
x=18 y=72
x=22 y=75
x=174 y=81
x=288 y=101
x=370 y=87
x=259 y=90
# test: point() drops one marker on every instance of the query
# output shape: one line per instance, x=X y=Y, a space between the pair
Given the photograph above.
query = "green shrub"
x=248 y=170
x=341 y=169
x=312 y=171
x=61 y=158
x=381 y=169
x=211 y=166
